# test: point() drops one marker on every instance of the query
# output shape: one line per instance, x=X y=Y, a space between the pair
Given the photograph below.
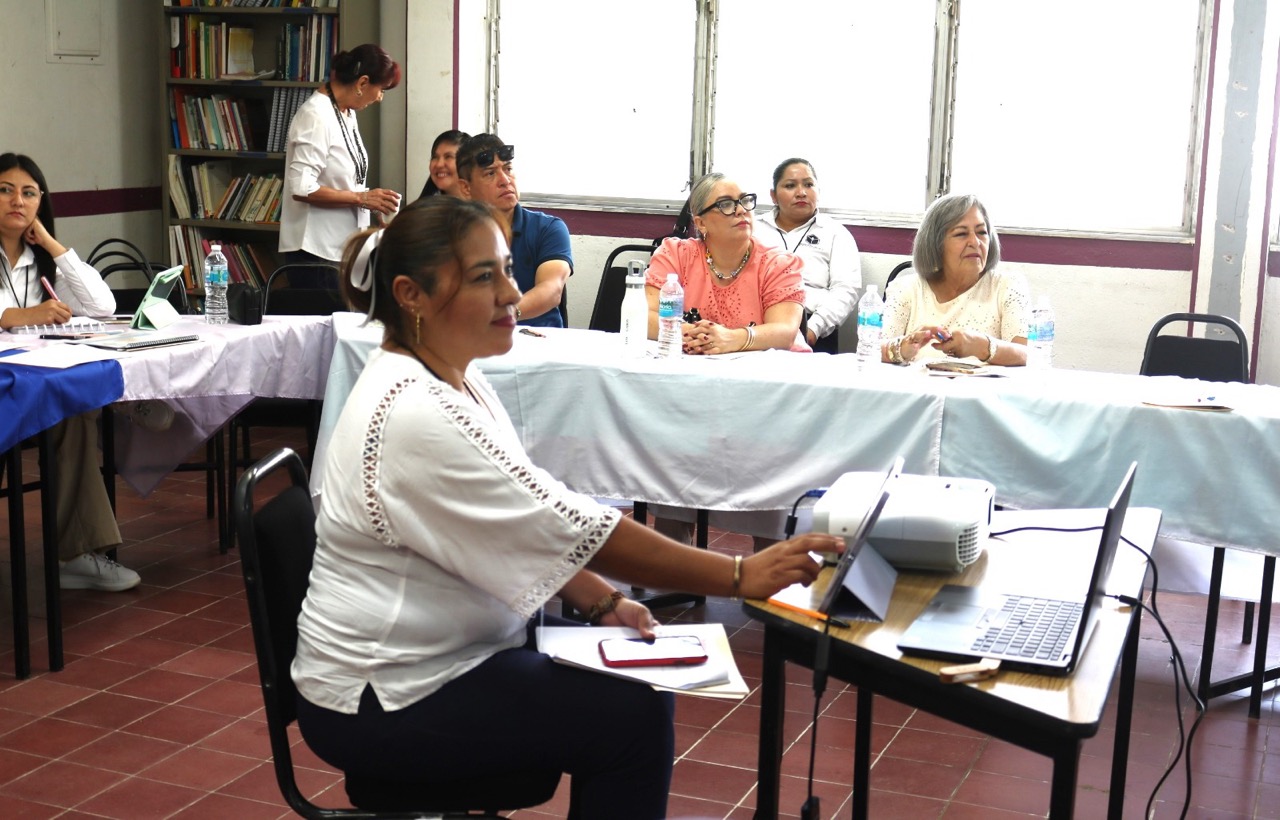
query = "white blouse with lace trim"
x=436 y=539
x=999 y=304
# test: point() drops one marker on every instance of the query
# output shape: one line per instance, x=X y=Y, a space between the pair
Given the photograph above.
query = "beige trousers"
x=85 y=520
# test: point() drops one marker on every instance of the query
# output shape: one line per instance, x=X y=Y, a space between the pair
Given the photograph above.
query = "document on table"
x=60 y=356
x=717 y=678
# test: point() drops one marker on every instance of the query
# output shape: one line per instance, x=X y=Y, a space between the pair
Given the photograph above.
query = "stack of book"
x=250 y=263
x=285 y=102
x=209 y=121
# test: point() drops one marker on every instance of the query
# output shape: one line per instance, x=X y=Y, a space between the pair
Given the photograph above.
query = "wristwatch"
x=992 y=344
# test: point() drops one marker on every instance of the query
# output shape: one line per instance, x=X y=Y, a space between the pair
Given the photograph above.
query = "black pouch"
x=244 y=304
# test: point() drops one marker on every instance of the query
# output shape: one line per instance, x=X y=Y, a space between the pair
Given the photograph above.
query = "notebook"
x=138 y=340
x=1041 y=634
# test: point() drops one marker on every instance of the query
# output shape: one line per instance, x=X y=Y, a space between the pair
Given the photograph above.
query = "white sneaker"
x=149 y=414
x=93 y=570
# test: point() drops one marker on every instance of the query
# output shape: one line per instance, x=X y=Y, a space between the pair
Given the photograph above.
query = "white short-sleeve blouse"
x=999 y=304
x=437 y=539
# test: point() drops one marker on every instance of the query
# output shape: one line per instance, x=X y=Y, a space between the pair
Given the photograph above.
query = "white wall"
x=88 y=127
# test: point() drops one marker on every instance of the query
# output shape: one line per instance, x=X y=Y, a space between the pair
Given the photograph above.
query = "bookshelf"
x=232 y=76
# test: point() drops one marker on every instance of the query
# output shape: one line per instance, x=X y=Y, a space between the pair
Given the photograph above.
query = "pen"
x=812 y=613
x=49 y=288
x=526 y=331
x=942 y=337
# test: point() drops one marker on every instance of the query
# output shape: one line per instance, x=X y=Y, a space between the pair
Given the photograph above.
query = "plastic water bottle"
x=1040 y=335
x=671 y=318
x=215 y=286
x=634 y=323
x=870 y=325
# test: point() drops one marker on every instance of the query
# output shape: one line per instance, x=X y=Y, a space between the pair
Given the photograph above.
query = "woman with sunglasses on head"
x=32 y=257
x=832 y=269
x=443 y=170
x=747 y=296
x=438 y=543
x=326 y=193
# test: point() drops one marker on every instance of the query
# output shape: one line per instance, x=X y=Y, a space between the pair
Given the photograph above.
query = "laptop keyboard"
x=1034 y=628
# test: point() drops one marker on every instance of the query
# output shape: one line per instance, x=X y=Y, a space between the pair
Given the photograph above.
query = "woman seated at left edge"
x=32 y=255
x=438 y=540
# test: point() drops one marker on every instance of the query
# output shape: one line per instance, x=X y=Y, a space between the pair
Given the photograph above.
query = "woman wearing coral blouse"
x=748 y=297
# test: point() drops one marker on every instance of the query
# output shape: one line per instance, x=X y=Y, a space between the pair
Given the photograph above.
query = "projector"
x=929 y=522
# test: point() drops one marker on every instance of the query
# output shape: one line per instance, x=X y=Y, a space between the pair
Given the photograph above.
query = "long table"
x=206 y=382
x=754 y=431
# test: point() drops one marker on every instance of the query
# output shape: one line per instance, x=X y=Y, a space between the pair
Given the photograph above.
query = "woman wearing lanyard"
x=44 y=282
x=327 y=197
x=832 y=268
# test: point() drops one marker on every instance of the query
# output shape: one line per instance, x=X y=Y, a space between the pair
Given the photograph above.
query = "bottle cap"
x=215 y=248
x=673 y=277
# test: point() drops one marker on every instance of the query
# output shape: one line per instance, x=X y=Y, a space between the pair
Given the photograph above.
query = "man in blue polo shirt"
x=540 y=251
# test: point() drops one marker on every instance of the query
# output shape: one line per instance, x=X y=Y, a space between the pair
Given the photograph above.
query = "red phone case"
x=655 y=660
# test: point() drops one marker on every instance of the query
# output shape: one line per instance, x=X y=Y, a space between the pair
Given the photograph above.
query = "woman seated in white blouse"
x=438 y=540
x=955 y=302
x=32 y=257
x=832 y=267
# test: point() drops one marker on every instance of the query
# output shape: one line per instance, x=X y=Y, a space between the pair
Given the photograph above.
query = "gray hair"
x=943 y=214
x=700 y=195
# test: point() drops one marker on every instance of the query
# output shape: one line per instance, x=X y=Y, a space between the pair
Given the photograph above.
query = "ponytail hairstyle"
x=419 y=241
x=369 y=60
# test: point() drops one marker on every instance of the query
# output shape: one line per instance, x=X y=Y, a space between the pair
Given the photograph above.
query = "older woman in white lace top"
x=955 y=303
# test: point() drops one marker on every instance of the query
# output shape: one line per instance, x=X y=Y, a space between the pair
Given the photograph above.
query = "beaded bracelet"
x=895 y=350
x=604 y=606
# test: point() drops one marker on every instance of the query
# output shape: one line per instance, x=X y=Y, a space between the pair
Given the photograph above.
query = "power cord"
x=790 y=527
x=811 y=810
x=1185 y=737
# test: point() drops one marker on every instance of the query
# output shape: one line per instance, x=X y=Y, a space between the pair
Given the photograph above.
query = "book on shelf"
x=177 y=189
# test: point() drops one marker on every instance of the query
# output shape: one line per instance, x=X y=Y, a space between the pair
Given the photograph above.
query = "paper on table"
x=717 y=678
x=1186 y=401
x=60 y=355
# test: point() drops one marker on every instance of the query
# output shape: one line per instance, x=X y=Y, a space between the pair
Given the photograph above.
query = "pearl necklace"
x=725 y=277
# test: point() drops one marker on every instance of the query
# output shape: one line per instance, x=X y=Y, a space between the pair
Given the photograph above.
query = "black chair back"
x=1209 y=359
x=120 y=256
x=893 y=274
x=606 y=315
x=277 y=546
x=302 y=289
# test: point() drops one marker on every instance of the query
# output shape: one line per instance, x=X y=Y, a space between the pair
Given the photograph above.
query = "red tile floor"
x=158 y=714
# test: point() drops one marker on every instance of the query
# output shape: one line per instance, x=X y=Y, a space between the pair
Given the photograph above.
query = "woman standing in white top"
x=32 y=256
x=832 y=267
x=955 y=302
x=327 y=197
x=438 y=539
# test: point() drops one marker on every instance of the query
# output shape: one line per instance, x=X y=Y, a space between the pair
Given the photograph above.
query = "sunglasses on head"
x=727 y=206
x=485 y=158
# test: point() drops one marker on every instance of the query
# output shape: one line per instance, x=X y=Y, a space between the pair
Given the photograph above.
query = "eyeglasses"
x=727 y=206
x=29 y=194
x=485 y=158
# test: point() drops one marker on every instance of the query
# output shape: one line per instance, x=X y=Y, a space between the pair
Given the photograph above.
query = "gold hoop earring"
x=417 y=328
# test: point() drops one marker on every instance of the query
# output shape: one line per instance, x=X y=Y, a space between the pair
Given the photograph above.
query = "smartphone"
x=669 y=650
x=952 y=366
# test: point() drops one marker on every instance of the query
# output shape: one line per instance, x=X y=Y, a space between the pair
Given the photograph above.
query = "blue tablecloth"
x=36 y=398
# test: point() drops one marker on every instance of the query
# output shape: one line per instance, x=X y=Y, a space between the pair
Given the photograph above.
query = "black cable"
x=1151 y=563
x=790 y=528
x=821 y=661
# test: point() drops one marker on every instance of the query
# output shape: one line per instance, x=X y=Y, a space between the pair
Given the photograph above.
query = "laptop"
x=1041 y=634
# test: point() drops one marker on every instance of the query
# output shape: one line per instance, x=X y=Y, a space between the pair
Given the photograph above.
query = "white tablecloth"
x=209 y=381
x=755 y=431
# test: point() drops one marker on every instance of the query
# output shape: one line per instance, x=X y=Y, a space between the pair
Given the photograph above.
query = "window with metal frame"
x=1082 y=119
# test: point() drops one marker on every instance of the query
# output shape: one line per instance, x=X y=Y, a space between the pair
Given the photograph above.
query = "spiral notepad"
x=74 y=326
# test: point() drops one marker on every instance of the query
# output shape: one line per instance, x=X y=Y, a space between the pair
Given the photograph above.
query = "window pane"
x=1077 y=116
x=598 y=96
x=844 y=84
